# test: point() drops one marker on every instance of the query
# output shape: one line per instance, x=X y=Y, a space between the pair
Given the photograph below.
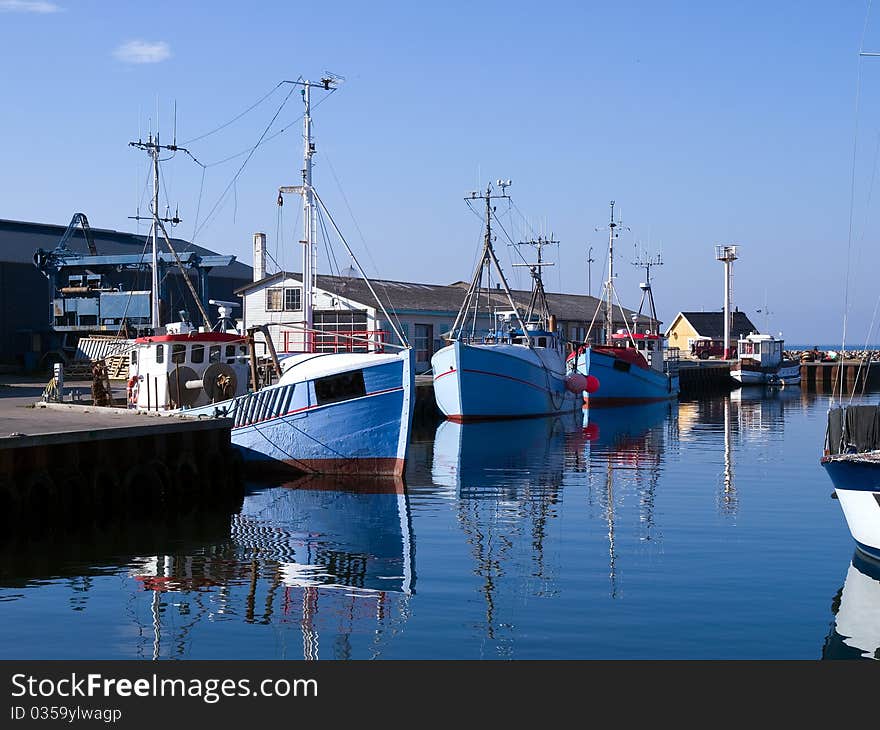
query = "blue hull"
x=282 y=425
x=483 y=382
x=621 y=383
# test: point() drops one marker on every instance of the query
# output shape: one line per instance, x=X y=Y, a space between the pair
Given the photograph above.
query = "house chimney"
x=259 y=256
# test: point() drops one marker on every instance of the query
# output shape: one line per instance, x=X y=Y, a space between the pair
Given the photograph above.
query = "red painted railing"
x=335 y=341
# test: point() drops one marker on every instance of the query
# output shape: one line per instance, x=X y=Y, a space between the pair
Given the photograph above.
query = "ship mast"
x=488 y=258
x=153 y=148
x=309 y=208
x=539 y=297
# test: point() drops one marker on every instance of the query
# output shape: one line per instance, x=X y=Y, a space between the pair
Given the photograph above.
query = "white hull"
x=789 y=375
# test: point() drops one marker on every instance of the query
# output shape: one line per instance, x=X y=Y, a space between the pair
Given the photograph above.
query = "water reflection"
x=327 y=557
x=624 y=449
x=855 y=631
x=749 y=415
x=506 y=478
x=331 y=556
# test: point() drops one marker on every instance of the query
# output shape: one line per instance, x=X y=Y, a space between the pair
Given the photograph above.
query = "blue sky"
x=707 y=123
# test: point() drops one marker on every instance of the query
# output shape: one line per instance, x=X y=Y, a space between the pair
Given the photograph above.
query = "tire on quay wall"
x=108 y=498
x=74 y=496
x=146 y=487
x=41 y=500
x=183 y=492
x=10 y=504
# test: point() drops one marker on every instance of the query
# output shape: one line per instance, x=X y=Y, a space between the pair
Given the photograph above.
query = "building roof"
x=711 y=324
x=406 y=296
x=20 y=239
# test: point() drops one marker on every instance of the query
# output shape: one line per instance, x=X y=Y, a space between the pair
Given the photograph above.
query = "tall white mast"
x=154 y=284
x=308 y=216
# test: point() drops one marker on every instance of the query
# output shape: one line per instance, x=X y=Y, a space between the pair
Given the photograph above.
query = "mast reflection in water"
x=697 y=529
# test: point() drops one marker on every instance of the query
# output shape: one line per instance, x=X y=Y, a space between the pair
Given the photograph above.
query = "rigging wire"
x=237 y=117
x=380 y=282
x=852 y=199
x=244 y=164
x=328 y=249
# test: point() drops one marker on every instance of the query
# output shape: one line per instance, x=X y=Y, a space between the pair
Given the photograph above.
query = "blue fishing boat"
x=631 y=366
x=330 y=412
x=517 y=368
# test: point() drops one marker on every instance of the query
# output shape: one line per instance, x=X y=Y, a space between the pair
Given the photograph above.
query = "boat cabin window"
x=178 y=354
x=214 y=353
x=641 y=344
x=230 y=354
x=344 y=386
x=160 y=353
x=197 y=354
x=651 y=345
x=134 y=357
x=542 y=342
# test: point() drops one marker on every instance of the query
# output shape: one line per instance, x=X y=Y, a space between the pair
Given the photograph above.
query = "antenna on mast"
x=153 y=149
x=646 y=262
x=538 y=299
x=608 y=290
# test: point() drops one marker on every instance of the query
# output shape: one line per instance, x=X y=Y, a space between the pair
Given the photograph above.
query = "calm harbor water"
x=702 y=529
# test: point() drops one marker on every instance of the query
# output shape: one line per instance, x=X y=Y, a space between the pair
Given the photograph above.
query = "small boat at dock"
x=761 y=361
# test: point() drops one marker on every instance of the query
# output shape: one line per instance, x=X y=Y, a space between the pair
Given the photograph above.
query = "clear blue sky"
x=707 y=123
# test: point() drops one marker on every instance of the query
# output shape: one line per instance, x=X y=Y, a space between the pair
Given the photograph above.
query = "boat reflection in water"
x=623 y=451
x=505 y=480
x=331 y=555
x=504 y=455
x=855 y=633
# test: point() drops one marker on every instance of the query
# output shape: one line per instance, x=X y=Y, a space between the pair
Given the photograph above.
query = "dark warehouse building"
x=27 y=339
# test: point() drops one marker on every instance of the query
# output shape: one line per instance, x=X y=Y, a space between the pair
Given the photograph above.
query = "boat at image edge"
x=852 y=461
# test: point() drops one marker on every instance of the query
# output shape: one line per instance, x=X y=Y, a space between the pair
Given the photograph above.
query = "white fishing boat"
x=516 y=366
x=329 y=412
x=760 y=361
x=632 y=366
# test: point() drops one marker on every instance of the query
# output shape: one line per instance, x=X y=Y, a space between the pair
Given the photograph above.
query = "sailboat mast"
x=308 y=217
x=609 y=289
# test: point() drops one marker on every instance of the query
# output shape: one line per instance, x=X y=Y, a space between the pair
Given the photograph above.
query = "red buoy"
x=592 y=384
x=591 y=431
